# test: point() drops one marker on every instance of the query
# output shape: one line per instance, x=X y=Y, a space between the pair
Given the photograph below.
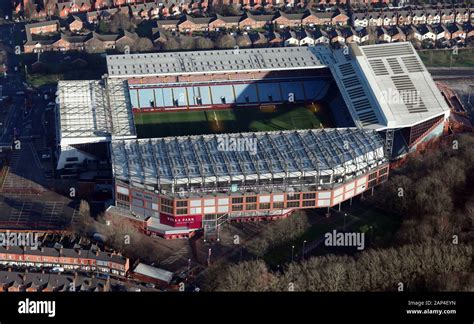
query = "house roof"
x=418 y=13
x=195 y=20
x=318 y=14
x=333 y=33
x=467 y=27
x=104 y=37
x=447 y=12
x=74 y=38
x=127 y=34
x=403 y=12
x=346 y=32
x=168 y=22
x=273 y=36
x=73 y=18
x=257 y=38
x=318 y=33
x=228 y=19
x=339 y=11
x=141 y=7
x=432 y=12
x=152 y=272
x=10 y=278
x=258 y=17
x=359 y=16
x=287 y=34
x=42 y=24
x=67 y=4
x=422 y=29
x=437 y=28
x=291 y=16
x=361 y=32
x=303 y=33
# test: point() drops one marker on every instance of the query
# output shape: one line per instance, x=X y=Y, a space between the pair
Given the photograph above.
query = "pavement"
x=26 y=200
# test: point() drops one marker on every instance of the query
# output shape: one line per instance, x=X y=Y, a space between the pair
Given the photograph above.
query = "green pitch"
x=162 y=124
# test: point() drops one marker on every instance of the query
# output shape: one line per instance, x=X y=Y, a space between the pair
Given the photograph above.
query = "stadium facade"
x=90 y=113
x=220 y=79
x=180 y=184
x=175 y=185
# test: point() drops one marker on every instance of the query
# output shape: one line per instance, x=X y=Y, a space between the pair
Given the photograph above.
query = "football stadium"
x=199 y=138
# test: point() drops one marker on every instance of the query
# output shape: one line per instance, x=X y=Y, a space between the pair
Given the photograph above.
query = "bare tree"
x=225 y=41
x=243 y=41
x=247 y=276
x=186 y=42
x=372 y=270
x=84 y=208
x=171 y=44
x=203 y=43
x=143 y=44
x=227 y=9
x=30 y=9
x=121 y=21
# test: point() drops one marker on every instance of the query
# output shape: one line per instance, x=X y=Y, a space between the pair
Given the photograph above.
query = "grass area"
x=42 y=79
x=445 y=58
x=378 y=225
x=232 y=120
x=282 y=254
x=38 y=79
x=54 y=66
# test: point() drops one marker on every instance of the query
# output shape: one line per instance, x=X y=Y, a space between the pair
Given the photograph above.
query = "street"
x=26 y=200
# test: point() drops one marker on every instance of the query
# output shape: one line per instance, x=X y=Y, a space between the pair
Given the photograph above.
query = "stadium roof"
x=384 y=85
x=214 y=61
x=90 y=111
x=262 y=155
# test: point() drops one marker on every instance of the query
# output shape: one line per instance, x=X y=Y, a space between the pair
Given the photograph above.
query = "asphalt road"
x=5 y=8
x=451 y=73
x=35 y=129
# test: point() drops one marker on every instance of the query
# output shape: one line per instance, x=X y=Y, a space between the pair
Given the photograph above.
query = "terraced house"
x=11 y=281
x=409 y=17
x=80 y=258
